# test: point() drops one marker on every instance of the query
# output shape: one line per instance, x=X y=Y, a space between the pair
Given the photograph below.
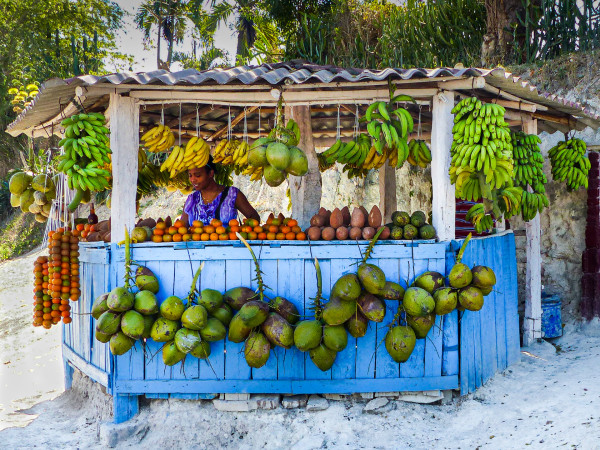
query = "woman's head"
x=202 y=177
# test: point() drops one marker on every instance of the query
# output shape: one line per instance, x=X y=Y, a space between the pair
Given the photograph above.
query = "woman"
x=213 y=201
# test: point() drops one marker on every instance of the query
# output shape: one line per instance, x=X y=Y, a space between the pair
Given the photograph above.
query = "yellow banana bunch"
x=195 y=154
x=255 y=173
x=158 y=139
x=240 y=154
x=226 y=150
x=374 y=160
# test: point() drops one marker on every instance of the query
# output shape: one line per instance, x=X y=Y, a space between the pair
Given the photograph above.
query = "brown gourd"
x=358 y=218
x=317 y=221
x=385 y=234
x=336 y=219
x=342 y=233
x=314 y=233
x=328 y=233
x=346 y=216
x=368 y=233
x=375 y=217
x=355 y=233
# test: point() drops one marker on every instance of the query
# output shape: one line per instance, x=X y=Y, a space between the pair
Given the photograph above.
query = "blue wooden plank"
x=487 y=315
x=130 y=366
x=290 y=363
x=385 y=366
x=345 y=361
x=497 y=297
x=312 y=372
x=513 y=344
x=237 y=273
x=269 y=269
x=124 y=407
x=366 y=346
x=450 y=358
x=88 y=369
x=100 y=286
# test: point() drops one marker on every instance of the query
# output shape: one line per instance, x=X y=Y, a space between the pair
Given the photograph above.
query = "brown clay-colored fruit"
x=375 y=217
x=358 y=218
x=346 y=215
x=317 y=221
x=355 y=233
x=385 y=234
x=368 y=233
x=314 y=233
x=365 y=212
x=107 y=237
x=341 y=233
x=336 y=219
x=328 y=233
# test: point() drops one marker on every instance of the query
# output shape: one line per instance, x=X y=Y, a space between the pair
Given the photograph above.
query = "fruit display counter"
x=461 y=351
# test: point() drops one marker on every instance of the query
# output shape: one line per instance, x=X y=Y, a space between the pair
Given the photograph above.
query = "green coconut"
x=42 y=183
x=483 y=277
x=148 y=323
x=35 y=209
x=274 y=177
x=471 y=298
x=163 y=330
x=400 y=342
x=371 y=277
x=26 y=200
x=357 y=325
x=132 y=324
x=257 y=349
x=427 y=232
x=15 y=200
x=307 y=335
x=171 y=355
x=186 y=340
x=445 y=300
x=211 y=299
x=202 y=350
x=213 y=331
x=39 y=198
x=172 y=308
x=140 y=234
x=418 y=219
x=298 y=162
x=391 y=291
x=100 y=306
x=346 y=288
x=238 y=296
x=278 y=331
x=421 y=325
x=460 y=276
x=145 y=302
x=278 y=155
x=120 y=299
x=418 y=302
x=285 y=309
x=102 y=337
x=145 y=280
x=400 y=218
x=257 y=157
x=254 y=313
x=410 y=232
x=322 y=357
x=109 y=322
x=372 y=307
x=40 y=218
x=238 y=330
x=223 y=313
x=194 y=317
x=430 y=281
x=19 y=182
x=120 y=343
x=486 y=290
x=336 y=312
x=335 y=337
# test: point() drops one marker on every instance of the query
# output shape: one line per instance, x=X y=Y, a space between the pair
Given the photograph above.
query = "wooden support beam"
x=305 y=191
x=387 y=192
x=124 y=141
x=532 y=323
x=443 y=204
x=234 y=122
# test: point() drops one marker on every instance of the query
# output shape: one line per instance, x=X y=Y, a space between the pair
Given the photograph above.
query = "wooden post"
x=387 y=192
x=124 y=115
x=305 y=191
x=532 y=324
x=443 y=205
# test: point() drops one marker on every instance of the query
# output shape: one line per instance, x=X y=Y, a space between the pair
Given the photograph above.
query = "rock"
x=317 y=403
x=294 y=401
x=423 y=397
x=234 y=396
x=267 y=401
x=336 y=397
x=366 y=395
x=378 y=405
x=112 y=434
x=448 y=397
x=235 y=405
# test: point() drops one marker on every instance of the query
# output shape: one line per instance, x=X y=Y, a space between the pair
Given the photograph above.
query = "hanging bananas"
x=231 y=152
x=158 y=139
x=510 y=200
x=86 y=151
x=570 y=163
x=195 y=154
x=353 y=153
x=418 y=153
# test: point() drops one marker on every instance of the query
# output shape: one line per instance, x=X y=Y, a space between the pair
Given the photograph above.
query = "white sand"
x=549 y=400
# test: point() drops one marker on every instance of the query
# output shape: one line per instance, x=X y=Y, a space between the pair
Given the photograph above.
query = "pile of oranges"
x=56 y=279
x=275 y=228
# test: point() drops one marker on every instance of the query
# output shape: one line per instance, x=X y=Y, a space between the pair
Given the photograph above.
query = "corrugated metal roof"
x=57 y=92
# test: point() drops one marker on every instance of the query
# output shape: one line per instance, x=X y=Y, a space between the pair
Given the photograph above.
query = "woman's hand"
x=185 y=219
x=243 y=205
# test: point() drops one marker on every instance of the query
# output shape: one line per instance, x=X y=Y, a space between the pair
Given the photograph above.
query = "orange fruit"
x=257 y=229
x=273 y=229
x=296 y=229
x=172 y=230
x=214 y=237
x=292 y=223
x=233 y=223
x=252 y=235
x=244 y=234
x=177 y=237
x=161 y=225
x=271 y=236
x=197 y=223
x=276 y=222
x=209 y=229
x=198 y=230
x=280 y=236
x=301 y=236
x=232 y=236
x=216 y=223
x=204 y=237
x=285 y=229
x=158 y=232
x=290 y=236
x=196 y=237
x=252 y=223
x=66 y=320
x=223 y=237
x=157 y=238
x=234 y=228
x=182 y=230
x=178 y=223
x=187 y=237
x=220 y=229
x=168 y=238
x=262 y=236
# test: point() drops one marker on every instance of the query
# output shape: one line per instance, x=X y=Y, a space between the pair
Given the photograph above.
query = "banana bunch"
x=150 y=175
x=390 y=127
x=375 y=159
x=195 y=154
x=323 y=164
x=529 y=162
x=353 y=152
x=240 y=155
x=355 y=172
x=142 y=158
x=158 y=139
x=532 y=203
x=478 y=217
x=570 y=163
x=231 y=152
x=509 y=201
x=466 y=183
x=418 y=153
x=86 y=152
x=255 y=173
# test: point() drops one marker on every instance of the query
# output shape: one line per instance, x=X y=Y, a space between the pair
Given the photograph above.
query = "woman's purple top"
x=196 y=209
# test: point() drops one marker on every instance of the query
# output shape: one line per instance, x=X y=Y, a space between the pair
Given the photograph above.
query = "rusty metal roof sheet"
x=55 y=93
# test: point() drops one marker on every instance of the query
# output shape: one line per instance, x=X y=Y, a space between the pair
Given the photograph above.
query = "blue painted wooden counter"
x=480 y=343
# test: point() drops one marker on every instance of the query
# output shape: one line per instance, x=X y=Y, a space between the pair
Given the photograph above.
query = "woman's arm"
x=185 y=219
x=243 y=205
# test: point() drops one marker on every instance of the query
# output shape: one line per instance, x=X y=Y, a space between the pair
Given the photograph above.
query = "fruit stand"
x=461 y=351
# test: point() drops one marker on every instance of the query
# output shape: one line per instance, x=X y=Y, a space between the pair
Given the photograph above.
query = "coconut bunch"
x=410 y=226
x=32 y=194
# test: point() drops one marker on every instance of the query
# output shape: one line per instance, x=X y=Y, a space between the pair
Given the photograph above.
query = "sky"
x=130 y=40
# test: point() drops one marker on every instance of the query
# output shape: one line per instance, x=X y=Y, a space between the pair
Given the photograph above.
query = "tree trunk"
x=158 y=61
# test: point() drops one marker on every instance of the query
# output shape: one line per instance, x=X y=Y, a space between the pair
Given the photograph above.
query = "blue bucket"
x=551 y=316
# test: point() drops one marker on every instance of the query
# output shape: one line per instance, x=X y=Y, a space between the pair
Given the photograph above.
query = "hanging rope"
x=179 y=125
x=197 y=121
x=229 y=124
x=162 y=114
x=356 y=123
x=259 y=121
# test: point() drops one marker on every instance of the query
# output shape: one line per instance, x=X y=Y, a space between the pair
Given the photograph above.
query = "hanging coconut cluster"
x=33 y=194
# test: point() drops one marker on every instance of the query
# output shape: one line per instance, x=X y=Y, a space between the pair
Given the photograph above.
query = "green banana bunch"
x=509 y=201
x=418 y=153
x=529 y=162
x=532 y=203
x=570 y=164
x=478 y=217
x=85 y=152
